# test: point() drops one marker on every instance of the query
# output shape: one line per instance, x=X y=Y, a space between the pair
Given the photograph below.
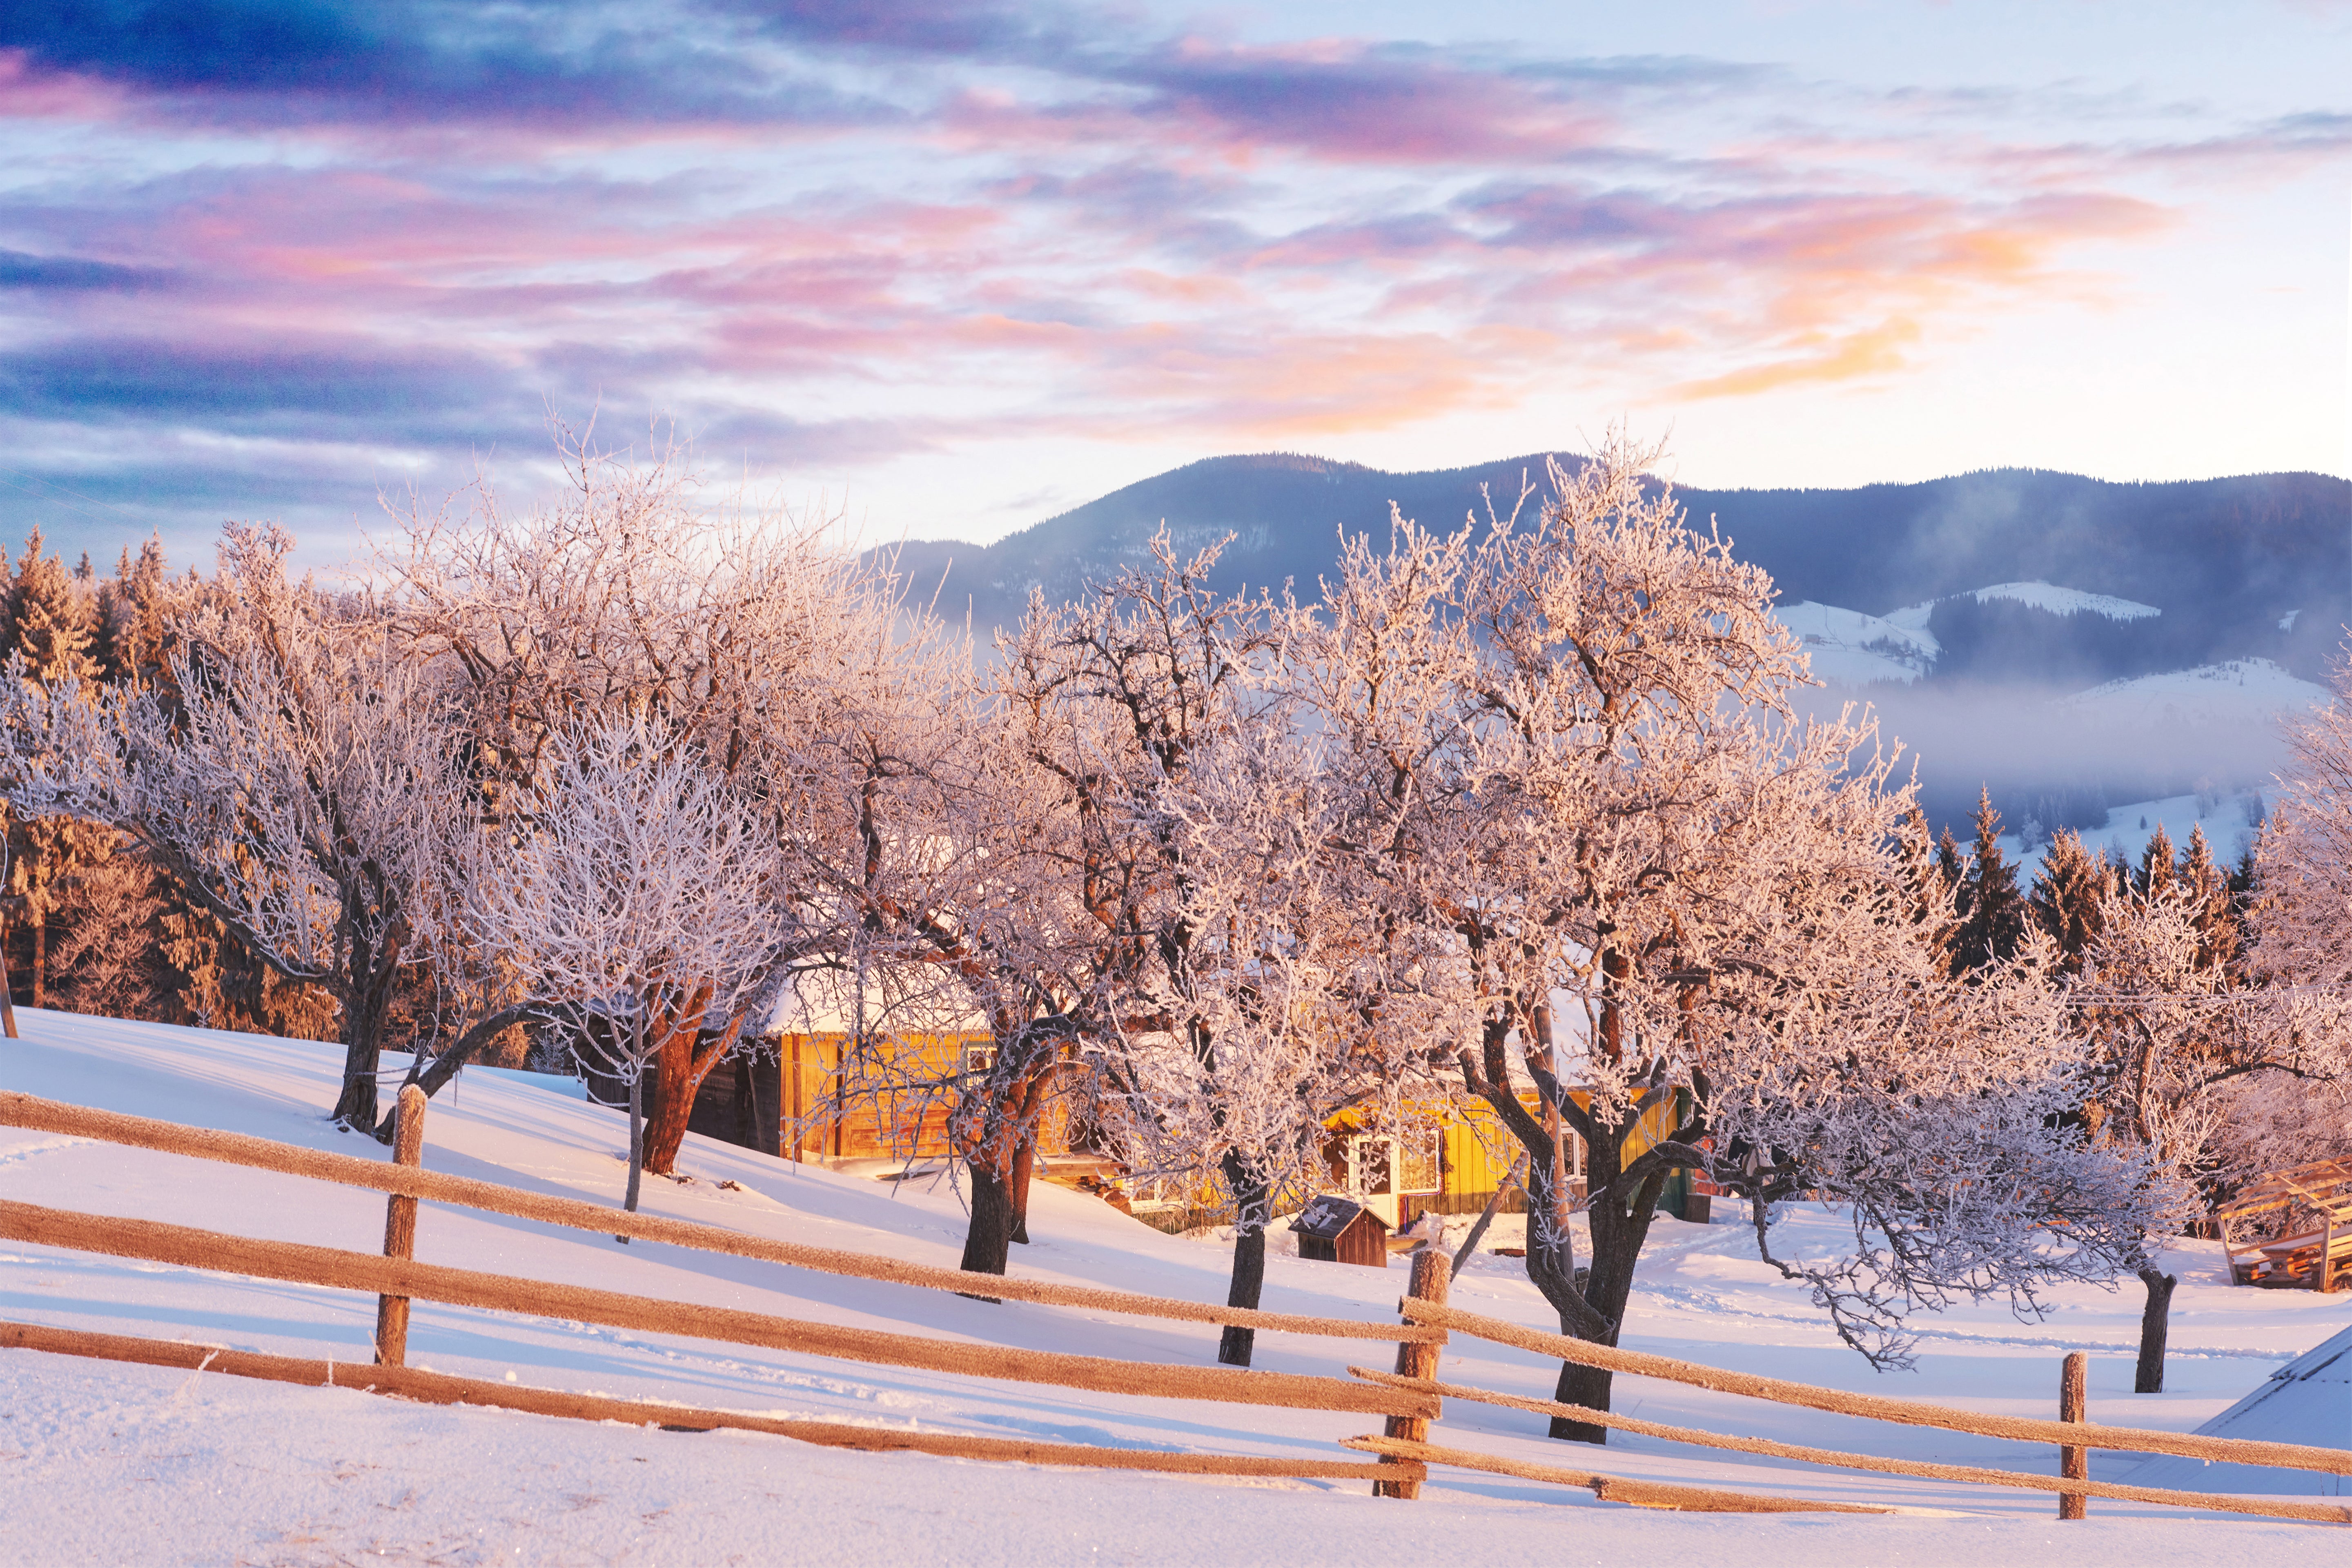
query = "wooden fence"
x=1410 y=1397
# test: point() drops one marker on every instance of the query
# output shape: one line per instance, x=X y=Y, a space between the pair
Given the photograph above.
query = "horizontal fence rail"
x=1878 y=1407
x=440 y=1388
x=1609 y=1488
x=2324 y=1514
x=36 y=1114
x=295 y=1262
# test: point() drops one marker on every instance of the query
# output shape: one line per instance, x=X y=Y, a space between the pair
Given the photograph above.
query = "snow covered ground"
x=99 y=1462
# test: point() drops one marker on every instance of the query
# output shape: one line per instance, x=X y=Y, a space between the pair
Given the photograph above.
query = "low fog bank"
x=2052 y=758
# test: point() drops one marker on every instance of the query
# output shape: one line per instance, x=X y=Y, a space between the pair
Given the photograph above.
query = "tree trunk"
x=675 y=1082
x=1251 y=1207
x=365 y=1002
x=996 y=1130
x=41 y=961
x=356 y=1108
x=436 y=1076
x=685 y=1061
x=1619 y=1227
x=2155 y=1328
x=988 y=1243
x=636 y=1138
x=1024 y=1165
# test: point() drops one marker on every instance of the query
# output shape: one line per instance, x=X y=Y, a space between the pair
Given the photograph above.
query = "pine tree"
x=2157 y=872
x=131 y=607
x=2218 y=936
x=222 y=985
x=1932 y=870
x=47 y=623
x=1992 y=920
x=2066 y=900
x=1949 y=865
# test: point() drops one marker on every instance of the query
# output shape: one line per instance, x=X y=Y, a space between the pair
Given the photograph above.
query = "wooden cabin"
x=1335 y=1230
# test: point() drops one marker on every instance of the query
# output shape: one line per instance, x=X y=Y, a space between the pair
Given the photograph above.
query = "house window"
x=1418 y=1154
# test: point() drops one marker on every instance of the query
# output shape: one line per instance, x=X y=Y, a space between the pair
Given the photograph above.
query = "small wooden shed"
x=1338 y=1230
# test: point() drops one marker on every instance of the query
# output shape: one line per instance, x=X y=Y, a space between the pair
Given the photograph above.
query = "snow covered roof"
x=1325 y=1217
x=2307 y=1401
x=826 y=1002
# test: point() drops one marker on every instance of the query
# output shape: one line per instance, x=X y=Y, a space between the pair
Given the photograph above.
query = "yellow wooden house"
x=792 y=1098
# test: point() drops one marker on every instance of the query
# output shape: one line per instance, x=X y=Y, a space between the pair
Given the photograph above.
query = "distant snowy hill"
x=2207 y=570
x=2231 y=691
x=1850 y=648
x=2066 y=601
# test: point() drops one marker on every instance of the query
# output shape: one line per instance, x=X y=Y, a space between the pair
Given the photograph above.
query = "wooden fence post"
x=2073 y=1463
x=1433 y=1271
x=400 y=1227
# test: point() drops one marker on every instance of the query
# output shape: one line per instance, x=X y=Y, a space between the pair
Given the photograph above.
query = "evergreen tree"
x=2208 y=886
x=1992 y=920
x=2157 y=872
x=131 y=608
x=46 y=621
x=2066 y=900
x=1951 y=868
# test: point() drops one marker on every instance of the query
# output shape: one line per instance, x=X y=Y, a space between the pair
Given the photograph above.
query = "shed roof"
x=1325 y=1217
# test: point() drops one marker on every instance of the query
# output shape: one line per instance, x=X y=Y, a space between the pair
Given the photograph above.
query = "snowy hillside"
x=2239 y=689
x=1847 y=648
x=100 y=1462
x=2060 y=601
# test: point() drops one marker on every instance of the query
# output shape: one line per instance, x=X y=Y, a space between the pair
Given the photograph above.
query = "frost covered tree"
x=2173 y=1031
x=297 y=787
x=627 y=598
x=931 y=857
x=1295 y=1007
x=631 y=891
x=1110 y=701
x=1572 y=752
x=45 y=633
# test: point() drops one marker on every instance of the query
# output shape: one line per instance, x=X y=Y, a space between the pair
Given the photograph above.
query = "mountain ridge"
x=2225 y=560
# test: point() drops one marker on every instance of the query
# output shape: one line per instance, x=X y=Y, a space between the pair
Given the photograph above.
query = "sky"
x=948 y=270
